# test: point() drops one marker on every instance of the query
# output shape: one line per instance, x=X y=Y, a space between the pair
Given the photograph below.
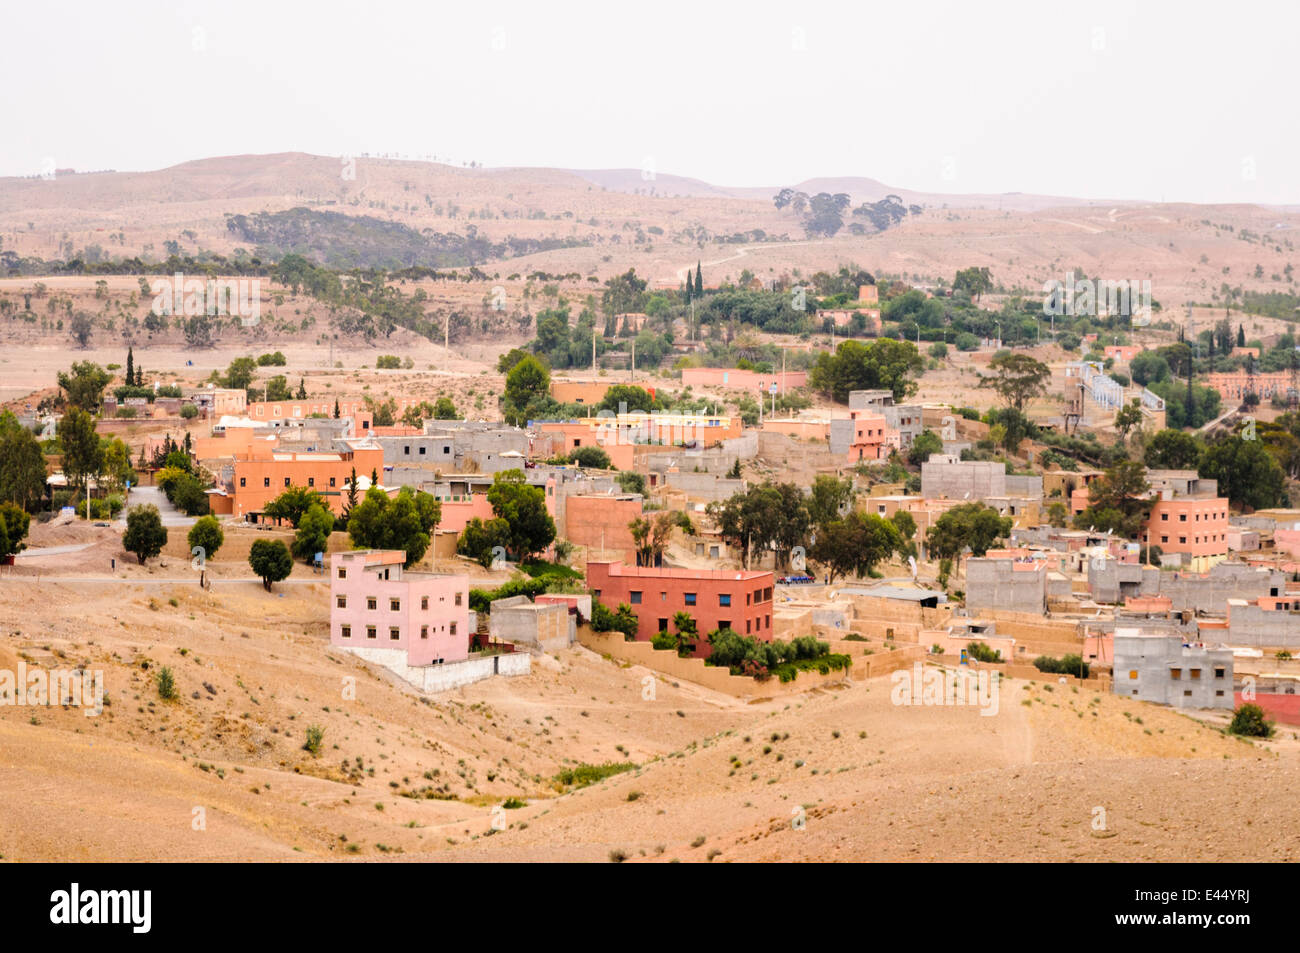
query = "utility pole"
x=593 y=347
x=633 y=359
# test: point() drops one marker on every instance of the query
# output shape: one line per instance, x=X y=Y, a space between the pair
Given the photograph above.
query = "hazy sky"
x=1177 y=101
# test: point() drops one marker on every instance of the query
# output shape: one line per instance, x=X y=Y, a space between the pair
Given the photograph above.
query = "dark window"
x=636 y=598
x=395 y=605
x=690 y=598
x=394 y=634
x=243 y=481
x=341 y=602
x=311 y=481
x=724 y=598
x=424 y=631
x=370 y=631
x=347 y=631
x=266 y=481
x=424 y=602
x=370 y=603
x=331 y=481
x=663 y=625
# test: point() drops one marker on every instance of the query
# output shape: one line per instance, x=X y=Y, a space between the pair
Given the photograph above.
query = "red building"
x=715 y=598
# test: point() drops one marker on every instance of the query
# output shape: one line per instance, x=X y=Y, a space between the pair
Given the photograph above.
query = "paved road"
x=53 y=550
x=171 y=516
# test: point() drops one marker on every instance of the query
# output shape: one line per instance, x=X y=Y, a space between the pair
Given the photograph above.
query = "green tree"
x=1128 y=417
x=593 y=458
x=145 y=534
x=206 y=534
x=687 y=633
x=1172 y=450
x=905 y=523
x=884 y=363
x=313 y=534
x=1250 y=721
x=699 y=282
x=1248 y=475
x=829 y=498
x=84 y=385
x=404 y=523
x=83 y=456
x=240 y=373
x=277 y=388
x=527 y=381
x=480 y=539
x=1117 y=501
x=523 y=507
x=270 y=560
x=1149 y=367
x=924 y=444
x=970 y=524
x=856 y=544
x=22 y=464
x=444 y=409
x=14 y=524
x=1017 y=378
x=293 y=503
x=630 y=481
x=974 y=281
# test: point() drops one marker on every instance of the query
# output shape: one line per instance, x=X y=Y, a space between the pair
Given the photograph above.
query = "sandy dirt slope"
x=873 y=780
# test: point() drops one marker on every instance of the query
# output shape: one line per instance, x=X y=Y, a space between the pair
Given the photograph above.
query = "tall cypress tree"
x=687 y=299
x=130 y=366
x=1189 y=412
x=699 y=281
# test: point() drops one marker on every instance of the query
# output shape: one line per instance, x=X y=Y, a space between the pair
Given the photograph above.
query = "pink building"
x=716 y=599
x=871 y=438
x=376 y=604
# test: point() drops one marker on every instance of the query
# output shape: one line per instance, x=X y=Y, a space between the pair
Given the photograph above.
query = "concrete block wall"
x=999 y=584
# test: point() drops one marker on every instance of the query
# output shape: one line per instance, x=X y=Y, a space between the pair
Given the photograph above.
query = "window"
x=286 y=481
x=341 y=602
x=347 y=631
x=1165 y=517
x=343 y=573
x=724 y=623
x=663 y=625
x=458 y=598
x=311 y=481
x=422 y=449
x=748 y=627
x=1219 y=693
x=636 y=598
x=394 y=605
x=1175 y=673
x=663 y=597
x=371 y=603
x=1132 y=673
x=370 y=631
x=331 y=481
x=747 y=598
x=724 y=598
x=767 y=594
x=1182 y=517
x=452 y=628
x=1187 y=693
x=394 y=633
x=1196 y=673
x=424 y=603
x=424 y=631
x=406 y=451
x=1218 y=672
x=690 y=598
x=243 y=481
x=266 y=481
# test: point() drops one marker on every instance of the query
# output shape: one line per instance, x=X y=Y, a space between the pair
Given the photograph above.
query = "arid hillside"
x=599 y=223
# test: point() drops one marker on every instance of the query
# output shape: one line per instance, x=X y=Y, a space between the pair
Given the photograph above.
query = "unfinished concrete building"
x=949 y=477
x=1111 y=581
x=1009 y=584
x=1168 y=671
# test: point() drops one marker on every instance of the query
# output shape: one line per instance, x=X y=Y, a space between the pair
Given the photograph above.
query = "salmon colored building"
x=872 y=438
x=258 y=479
x=582 y=392
x=1198 y=528
x=599 y=523
x=377 y=604
x=716 y=599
